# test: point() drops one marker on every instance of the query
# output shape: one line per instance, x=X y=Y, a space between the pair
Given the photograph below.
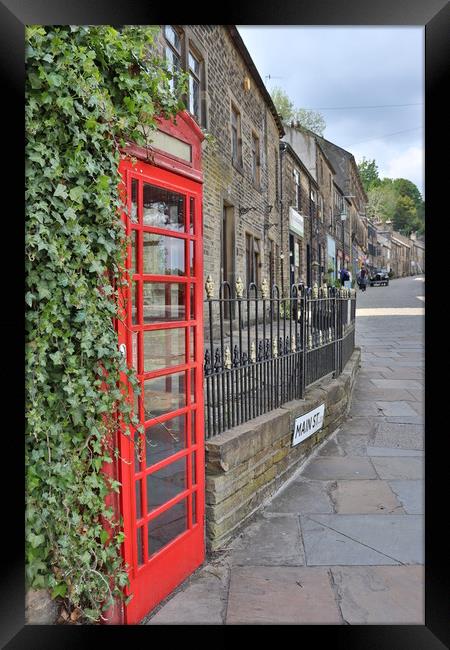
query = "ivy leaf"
x=76 y=194
x=60 y=191
x=36 y=540
x=59 y=590
x=104 y=536
x=56 y=357
x=70 y=213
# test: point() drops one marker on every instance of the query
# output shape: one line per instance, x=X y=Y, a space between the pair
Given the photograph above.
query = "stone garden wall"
x=246 y=465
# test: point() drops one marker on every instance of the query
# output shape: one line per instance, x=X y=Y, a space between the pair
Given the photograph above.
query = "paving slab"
x=359 y=425
x=273 y=541
x=396 y=408
x=365 y=497
x=405 y=373
x=389 y=451
x=411 y=495
x=348 y=467
x=381 y=595
x=364 y=408
x=396 y=383
x=419 y=408
x=353 y=445
x=369 y=374
x=277 y=595
x=399 y=468
x=302 y=497
x=418 y=420
x=331 y=448
x=418 y=395
x=363 y=539
x=370 y=393
x=395 y=426
x=202 y=601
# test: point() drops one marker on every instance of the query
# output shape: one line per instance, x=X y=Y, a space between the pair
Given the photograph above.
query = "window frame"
x=253 y=258
x=188 y=46
x=236 y=160
x=297 y=195
x=256 y=160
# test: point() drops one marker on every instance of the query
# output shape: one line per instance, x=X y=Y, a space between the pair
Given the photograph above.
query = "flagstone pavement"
x=343 y=541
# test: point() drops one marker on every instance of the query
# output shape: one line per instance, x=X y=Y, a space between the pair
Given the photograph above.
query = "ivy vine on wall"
x=89 y=90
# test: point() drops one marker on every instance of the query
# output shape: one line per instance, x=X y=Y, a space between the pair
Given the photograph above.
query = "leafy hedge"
x=88 y=90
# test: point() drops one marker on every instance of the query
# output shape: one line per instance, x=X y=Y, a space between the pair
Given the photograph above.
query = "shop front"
x=296 y=252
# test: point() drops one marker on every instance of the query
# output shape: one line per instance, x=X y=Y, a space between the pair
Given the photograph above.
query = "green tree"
x=285 y=108
x=405 y=219
x=368 y=172
x=304 y=118
x=405 y=187
x=382 y=201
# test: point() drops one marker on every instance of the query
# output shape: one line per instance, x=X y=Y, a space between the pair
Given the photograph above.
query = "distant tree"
x=392 y=199
x=407 y=188
x=405 y=219
x=285 y=108
x=382 y=201
x=368 y=172
x=302 y=117
x=311 y=120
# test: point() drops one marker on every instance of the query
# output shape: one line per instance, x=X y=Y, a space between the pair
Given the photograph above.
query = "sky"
x=335 y=69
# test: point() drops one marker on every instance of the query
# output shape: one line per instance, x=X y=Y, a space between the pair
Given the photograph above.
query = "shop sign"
x=307 y=424
x=296 y=222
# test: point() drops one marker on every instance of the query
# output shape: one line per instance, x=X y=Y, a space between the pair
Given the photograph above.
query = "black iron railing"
x=263 y=350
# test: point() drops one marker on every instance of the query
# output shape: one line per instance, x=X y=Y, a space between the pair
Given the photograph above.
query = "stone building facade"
x=417 y=254
x=348 y=180
x=241 y=165
x=298 y=213
x=320 y=250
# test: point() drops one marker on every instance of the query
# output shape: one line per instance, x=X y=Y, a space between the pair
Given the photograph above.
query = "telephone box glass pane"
x=164 y=439
x=163 y=208
x=167 y=526
x=164 y=301
x=163 y=255
x=164 y=348
x=134 y=194
x=166 y=483
x=164 y=394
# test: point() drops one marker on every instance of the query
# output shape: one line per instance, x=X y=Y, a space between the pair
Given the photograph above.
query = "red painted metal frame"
x=163 y=571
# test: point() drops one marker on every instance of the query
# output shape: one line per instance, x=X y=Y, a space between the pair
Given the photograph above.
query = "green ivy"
x=89 y=89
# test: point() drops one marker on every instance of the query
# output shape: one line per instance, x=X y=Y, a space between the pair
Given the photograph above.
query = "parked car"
x=379 y=278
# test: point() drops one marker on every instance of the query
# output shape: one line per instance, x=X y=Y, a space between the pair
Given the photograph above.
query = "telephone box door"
x=162 y=468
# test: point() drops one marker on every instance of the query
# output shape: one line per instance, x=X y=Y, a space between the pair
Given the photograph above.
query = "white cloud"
x=409 y=164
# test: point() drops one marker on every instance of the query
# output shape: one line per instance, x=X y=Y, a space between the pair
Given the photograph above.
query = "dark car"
x=379 y=278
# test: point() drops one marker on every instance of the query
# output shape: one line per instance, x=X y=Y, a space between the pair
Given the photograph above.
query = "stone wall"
x=246 y=465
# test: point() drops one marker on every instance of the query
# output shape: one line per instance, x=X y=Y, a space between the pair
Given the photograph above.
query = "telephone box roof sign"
x=176 y=145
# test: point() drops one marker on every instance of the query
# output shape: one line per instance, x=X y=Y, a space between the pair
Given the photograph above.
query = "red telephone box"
x=162 y=471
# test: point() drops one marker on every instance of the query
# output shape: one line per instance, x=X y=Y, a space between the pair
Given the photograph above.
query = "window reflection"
x=166 y=483
x=167 y=526
x=163 y=209
x=164 y=394
x=164 y=301
x=164 y=439
x=164 y=348
x=163 y=255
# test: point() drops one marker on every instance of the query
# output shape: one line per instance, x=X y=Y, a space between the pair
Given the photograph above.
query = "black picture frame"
x=434 y=15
